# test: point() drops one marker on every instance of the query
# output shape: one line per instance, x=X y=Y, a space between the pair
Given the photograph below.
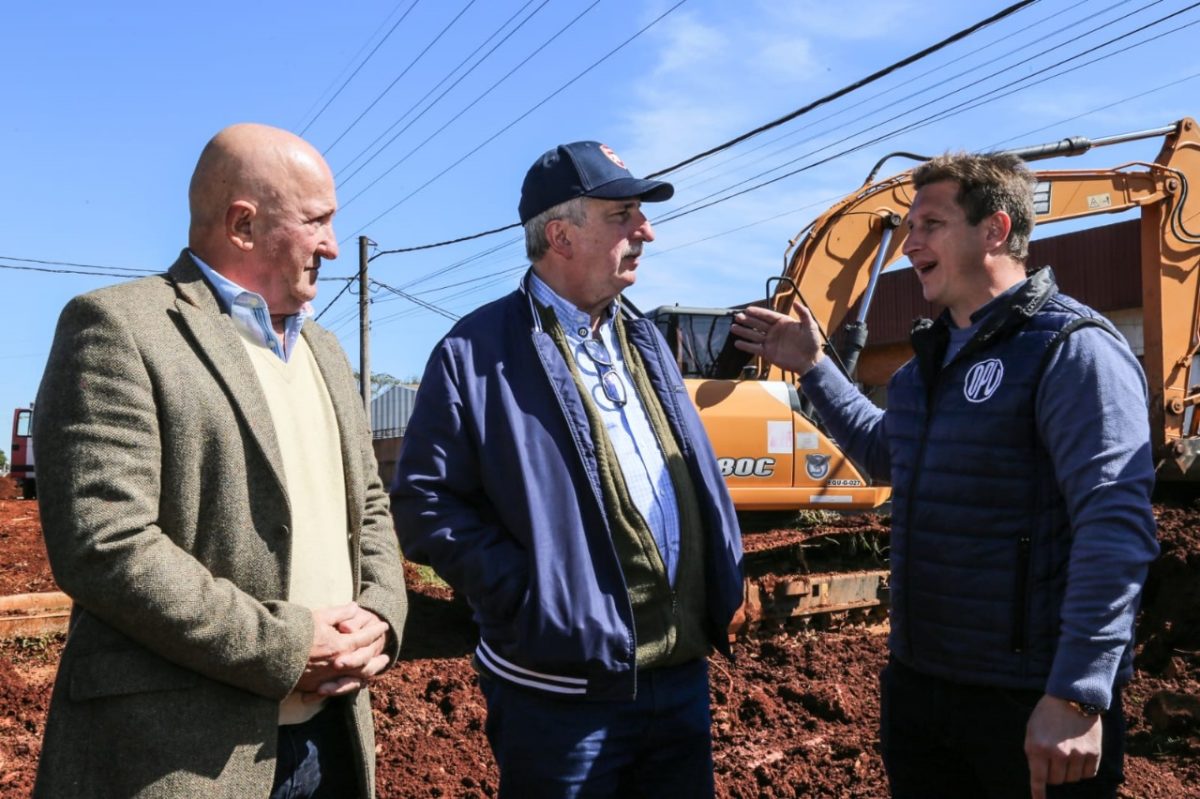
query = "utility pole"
x=364 y=343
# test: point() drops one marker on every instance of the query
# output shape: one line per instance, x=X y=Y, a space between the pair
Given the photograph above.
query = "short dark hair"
x=987 y=184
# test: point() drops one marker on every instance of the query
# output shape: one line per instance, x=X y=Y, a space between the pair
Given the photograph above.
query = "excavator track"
x=825 y=570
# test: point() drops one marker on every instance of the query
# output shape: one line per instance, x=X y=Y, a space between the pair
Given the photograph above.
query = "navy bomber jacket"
x=498 y=489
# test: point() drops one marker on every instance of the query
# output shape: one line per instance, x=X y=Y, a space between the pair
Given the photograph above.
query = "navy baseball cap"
x=583 y=169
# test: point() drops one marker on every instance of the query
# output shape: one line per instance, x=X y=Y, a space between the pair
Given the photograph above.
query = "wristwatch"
x=1087 y=709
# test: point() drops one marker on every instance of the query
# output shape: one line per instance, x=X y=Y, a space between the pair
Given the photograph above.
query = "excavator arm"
x=774 y=453
x=835 y=266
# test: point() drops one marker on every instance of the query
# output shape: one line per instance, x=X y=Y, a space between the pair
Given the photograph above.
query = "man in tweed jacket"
x=211 y=503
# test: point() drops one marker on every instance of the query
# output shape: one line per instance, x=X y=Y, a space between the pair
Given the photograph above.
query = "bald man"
x=212 y=505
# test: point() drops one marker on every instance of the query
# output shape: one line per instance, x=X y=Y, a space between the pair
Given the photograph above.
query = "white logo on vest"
x=983 y=379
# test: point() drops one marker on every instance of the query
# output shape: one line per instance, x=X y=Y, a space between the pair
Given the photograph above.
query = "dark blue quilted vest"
x=980 y=534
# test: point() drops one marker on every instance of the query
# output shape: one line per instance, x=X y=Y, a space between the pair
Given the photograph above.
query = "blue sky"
x=107 y=105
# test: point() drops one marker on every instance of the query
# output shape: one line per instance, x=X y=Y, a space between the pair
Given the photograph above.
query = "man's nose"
x=646 y=230
x=329 y=248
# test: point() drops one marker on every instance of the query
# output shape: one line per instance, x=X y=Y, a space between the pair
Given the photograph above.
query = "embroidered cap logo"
x=983 y=379
x=616 y=159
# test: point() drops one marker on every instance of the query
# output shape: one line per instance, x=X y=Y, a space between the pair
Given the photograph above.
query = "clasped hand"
x=347 y=651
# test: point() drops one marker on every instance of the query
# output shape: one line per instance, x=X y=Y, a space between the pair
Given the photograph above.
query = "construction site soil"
x=795 y=715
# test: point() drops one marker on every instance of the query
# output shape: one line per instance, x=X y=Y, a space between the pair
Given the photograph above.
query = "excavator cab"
x=772 y=452
x=700 y=341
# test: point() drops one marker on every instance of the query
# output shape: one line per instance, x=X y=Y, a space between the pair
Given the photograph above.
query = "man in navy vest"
x=1017 y=443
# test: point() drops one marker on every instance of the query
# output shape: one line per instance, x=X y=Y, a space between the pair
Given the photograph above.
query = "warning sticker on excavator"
x=806 y=441
x=1041 y=198
x=779 y=438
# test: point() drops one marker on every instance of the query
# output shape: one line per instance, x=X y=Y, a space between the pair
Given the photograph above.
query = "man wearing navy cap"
x=556 y=475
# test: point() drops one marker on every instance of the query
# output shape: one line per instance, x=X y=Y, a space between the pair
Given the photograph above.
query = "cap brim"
x=650 y=191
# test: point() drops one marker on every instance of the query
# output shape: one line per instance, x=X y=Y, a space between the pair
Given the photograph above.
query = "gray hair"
x=536 y=244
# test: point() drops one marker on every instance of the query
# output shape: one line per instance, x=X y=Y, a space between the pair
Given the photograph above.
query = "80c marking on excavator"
x=746 y=467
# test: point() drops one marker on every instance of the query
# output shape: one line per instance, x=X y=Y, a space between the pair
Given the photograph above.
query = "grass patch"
x=426 y=576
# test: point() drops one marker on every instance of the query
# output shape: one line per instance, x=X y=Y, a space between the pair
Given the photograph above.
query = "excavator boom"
x=835 y=266
x=774 y=451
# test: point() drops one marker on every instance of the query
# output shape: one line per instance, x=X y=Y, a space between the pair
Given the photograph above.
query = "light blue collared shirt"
x=250 y=314
x=629 y=430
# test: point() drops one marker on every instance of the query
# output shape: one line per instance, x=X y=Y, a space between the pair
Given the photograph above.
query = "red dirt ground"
x=794 y=716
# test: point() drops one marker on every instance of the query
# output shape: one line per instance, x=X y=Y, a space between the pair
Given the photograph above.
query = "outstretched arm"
x=794 y=344
x=791 y=344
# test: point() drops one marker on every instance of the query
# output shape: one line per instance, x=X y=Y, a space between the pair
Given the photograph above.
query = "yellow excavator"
x=773 y=451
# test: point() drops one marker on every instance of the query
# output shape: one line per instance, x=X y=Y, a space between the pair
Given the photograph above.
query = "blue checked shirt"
x=250 y=314
x=633 y=439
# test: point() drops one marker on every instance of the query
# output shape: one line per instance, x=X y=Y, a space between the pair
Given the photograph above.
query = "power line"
x=1015 y=7
x=1090 y=111
x=449 y=88
x=798 y=112
x=418 y=301
x=538 y=105
x=337 y=296
x=1008 y=37
x=470 y=259
x=63 y=271
x=919 y=123
x=454 y=118
x=407 y=312
x=363 y=64
x=822 y=203
x=981 y=99
x=448 y=242
x=700 y=201
x=110 y=271
x=403 y=72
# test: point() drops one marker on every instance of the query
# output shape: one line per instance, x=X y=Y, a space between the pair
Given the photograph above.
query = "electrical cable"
x=538 y=105
x=804 y=109
x=1028 y=133
x=916 y=81
x=403 y=72
x=999 y=15
x=982 y=99
x=337 y=296
x=360 y=66
x=462 y=111
x=73 y=271
x=110 y=271
x=1183 y=233
x=927 y=120
x=427 y=305
x=449 y=241
x=439 y=84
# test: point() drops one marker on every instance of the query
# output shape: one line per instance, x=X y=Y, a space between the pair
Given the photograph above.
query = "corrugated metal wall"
x=391 y=410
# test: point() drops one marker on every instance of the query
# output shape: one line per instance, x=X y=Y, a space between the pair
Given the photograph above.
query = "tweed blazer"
x=167 y=521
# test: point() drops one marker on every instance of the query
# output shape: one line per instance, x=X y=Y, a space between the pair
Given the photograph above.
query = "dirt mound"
x=795 y=715
x=8 y=488
x=1162 y=704
x=23 y=565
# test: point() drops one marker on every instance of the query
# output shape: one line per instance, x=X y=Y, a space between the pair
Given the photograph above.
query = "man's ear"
x=239 y=224
x=997 y=228
x=559 y=235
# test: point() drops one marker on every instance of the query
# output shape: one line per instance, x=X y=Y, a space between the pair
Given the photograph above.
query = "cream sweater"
x=307 y=432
